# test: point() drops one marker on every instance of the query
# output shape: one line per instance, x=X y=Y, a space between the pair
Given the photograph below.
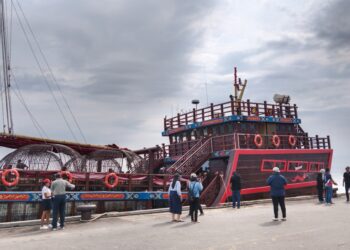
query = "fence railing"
x=232 y=107
x=247 y=141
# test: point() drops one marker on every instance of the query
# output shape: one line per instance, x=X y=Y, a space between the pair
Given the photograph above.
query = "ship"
x=238 y=135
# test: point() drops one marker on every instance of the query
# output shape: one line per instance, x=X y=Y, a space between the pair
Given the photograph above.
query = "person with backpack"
x=277 y=182
x=236 y=190
x=195 y=188
x=328 y=180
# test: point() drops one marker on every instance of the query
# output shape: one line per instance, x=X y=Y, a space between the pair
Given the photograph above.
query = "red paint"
x=264 y=189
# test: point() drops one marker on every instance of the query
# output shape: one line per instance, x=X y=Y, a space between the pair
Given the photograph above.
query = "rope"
x=50 y=71
x=43 y=74
x=21 y=99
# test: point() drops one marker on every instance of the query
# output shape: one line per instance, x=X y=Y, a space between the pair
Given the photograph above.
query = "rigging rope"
x=43 y=73
x=50 y=70
x=36 y=124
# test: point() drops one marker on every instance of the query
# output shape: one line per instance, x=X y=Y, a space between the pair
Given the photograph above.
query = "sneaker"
x=54 y=229
x=61 y=228
x=44 y=227
x=283 y=219
x=50 y=226
x=275 y=219
x=202 y=214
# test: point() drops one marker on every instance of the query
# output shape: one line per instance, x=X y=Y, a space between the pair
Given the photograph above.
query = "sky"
x=124 y=65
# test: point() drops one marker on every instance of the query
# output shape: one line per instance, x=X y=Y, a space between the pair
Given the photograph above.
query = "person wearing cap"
x=58 y=188
x=320 y=185
x=175 y=204
x=277 y=182
x=46 y=204
x=346 y=182
x=195 y=188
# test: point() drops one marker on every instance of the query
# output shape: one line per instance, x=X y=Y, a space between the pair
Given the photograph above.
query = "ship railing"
x=246 y=108
x=246 y=141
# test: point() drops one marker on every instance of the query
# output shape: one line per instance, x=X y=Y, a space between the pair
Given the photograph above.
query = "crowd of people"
x=276 y=181
x=54 y=198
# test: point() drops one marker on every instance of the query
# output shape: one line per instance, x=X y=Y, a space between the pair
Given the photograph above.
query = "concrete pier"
x=309 y=226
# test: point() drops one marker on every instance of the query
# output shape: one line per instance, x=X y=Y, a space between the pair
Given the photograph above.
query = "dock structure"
x=309 y=226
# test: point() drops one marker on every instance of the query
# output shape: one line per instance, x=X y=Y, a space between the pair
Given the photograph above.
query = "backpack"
x=190 y=192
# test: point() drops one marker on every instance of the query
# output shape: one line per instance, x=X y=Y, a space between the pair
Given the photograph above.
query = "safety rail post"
x=203 y=117
x=329 y=142
x=194 y=115
x=324 y=143
x=164 y=151
x=212 y=110
x=171 y=123
x=265 y=108
x=232 y=105
x=295 y=111
x=178 y=120
x=273 y=110
x=87 y=181
x=281 y=110
x=222 y=110
x=186 y=119
x=239 y=110
x=165 y=127
x=317 y=142
x=257 y=109
x=248 y=107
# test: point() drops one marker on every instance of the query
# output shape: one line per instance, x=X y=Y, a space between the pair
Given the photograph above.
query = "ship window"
x=268 y=165
x=315 y=166
x=297 y=166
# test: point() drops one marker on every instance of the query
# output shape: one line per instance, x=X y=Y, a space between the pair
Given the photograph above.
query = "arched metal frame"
x=43 y=157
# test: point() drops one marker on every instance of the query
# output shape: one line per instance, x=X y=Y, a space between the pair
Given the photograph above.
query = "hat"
x=46 y=181
x=322 y=171
x=276 y=169
x=193 y=175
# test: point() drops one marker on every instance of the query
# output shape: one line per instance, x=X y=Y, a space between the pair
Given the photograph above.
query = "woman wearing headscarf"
x=175 y=199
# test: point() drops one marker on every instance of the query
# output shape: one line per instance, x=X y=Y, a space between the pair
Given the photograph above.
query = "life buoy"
x=115 y=182
x=276 y=141
x=10 y=183
x=258 y=140
x=68 y=174
x=292 y=140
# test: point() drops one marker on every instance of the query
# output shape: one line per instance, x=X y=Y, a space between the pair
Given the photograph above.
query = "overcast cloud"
x=124 y=65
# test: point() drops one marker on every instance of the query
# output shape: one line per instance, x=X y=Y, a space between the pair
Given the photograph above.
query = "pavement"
x=309 y=225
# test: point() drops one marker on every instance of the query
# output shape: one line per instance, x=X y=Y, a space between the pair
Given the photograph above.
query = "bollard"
x=86 y=211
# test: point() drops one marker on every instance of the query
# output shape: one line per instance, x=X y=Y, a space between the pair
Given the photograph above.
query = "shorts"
x=46 y=204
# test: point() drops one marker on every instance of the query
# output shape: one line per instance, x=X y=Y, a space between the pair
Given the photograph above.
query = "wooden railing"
x=193 y=159
x=246 y=141
x=231 y=108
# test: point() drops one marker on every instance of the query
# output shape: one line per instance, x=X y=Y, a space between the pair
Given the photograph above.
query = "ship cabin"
x=239 y=125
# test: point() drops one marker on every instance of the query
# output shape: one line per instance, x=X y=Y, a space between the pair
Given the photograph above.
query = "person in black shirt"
x=346 y=182
x=320 y=185
x=236 y=190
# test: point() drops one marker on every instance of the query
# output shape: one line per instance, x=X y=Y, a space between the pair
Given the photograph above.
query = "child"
x=46 y=204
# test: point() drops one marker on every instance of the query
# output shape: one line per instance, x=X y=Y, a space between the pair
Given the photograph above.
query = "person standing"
x=46 y=204
x=236 y=190
x=195 y=188
x=277 y=182
x=346 y=182
x=320 y=185
x=58 y=188
x=175 y=204
x=328 y=180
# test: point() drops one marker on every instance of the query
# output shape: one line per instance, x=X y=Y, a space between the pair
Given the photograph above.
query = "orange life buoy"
x=10 y=183
x=258 y=140
x=68 y=174
x=276 y=141
x=115 y=182
x=292 y=140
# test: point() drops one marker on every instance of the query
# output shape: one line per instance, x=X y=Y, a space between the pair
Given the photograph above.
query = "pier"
x=309 y=226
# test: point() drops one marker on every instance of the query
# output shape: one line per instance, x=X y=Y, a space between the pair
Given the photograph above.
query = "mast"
x=6 y=69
